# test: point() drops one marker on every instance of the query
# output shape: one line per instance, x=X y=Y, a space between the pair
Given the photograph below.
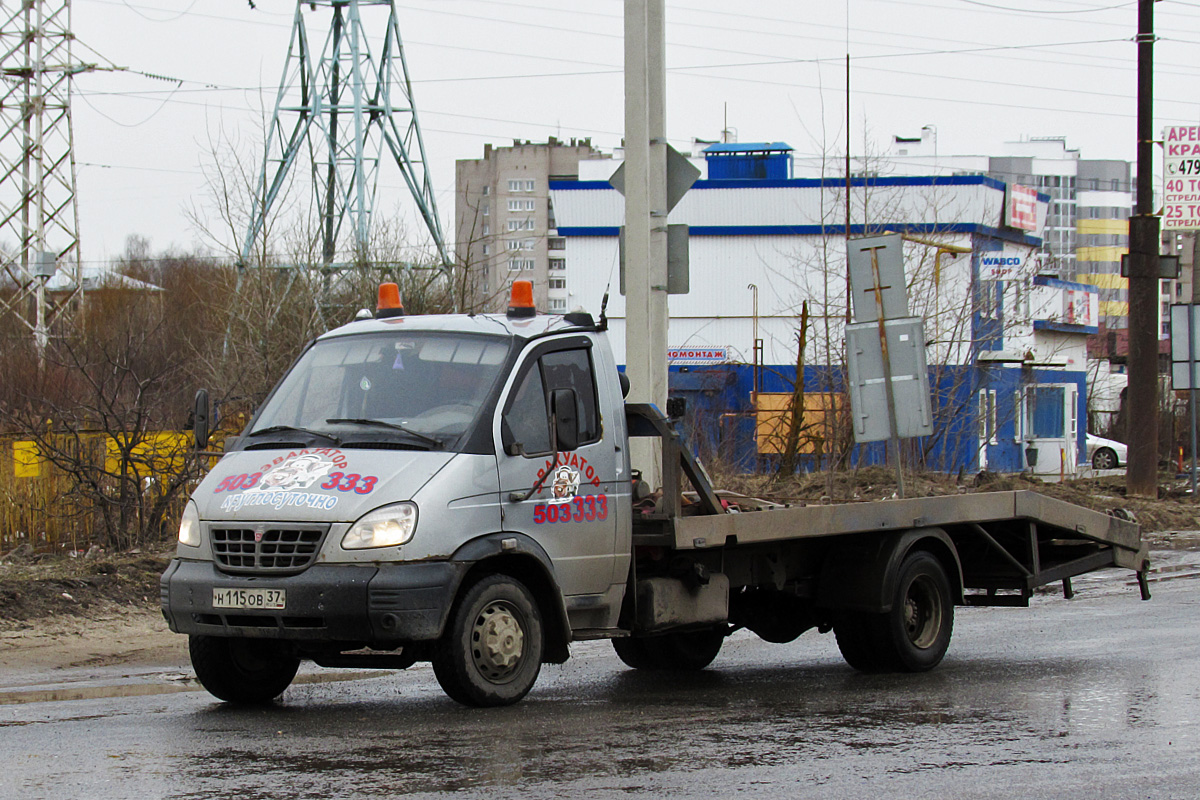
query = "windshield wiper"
x=429 y=440
x=292 y=429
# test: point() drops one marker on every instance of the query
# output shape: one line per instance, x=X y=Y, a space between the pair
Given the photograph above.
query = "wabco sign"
x=1006 y=265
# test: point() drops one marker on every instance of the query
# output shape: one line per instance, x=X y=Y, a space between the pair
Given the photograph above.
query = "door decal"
x=586 y=508
x=565 y=485
x=577 y=463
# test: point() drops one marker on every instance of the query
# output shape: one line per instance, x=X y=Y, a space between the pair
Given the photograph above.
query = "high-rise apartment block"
x=1087 y=231
x=504 y=220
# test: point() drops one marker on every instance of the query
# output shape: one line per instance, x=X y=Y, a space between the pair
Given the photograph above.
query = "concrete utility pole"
x=646 y=218
x=1141 y=478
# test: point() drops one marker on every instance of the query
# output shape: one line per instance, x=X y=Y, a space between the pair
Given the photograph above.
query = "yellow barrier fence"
x=43 y=506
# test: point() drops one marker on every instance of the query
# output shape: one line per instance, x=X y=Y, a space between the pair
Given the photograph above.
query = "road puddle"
x=166 y=683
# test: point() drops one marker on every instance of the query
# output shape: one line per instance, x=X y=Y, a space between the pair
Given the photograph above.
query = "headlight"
x=189 y=526
x=384 y=527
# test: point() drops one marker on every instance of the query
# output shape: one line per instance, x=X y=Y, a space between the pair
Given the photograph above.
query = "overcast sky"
x=490 y=71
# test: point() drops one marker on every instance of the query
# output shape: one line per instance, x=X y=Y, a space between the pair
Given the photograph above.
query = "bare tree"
x=101 y=410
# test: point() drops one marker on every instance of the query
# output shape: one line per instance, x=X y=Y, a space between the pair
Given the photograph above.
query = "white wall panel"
x=788 y=269
x=588 y=208
x=979 y=204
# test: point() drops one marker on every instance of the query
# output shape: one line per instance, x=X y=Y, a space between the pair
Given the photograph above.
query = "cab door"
x=563 y=500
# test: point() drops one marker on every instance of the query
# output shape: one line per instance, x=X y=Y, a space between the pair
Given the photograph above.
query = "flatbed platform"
x=1007 y=543
x=1053 y=516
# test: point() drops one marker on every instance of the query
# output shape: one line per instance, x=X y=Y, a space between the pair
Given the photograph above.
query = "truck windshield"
x=425 y=388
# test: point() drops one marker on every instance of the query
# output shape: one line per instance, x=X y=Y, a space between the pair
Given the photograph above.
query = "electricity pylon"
x=349 y=109
x=39 y=228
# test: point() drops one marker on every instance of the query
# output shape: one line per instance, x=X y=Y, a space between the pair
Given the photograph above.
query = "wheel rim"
x=497 y=641
x=922 y=612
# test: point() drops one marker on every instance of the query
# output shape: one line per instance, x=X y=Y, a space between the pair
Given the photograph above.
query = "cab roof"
x=492 y=324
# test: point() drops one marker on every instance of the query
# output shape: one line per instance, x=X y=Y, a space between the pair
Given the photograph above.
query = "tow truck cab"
x=398 y=463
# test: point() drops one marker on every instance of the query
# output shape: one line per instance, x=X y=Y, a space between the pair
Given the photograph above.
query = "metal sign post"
x=876 y=266
x=1184 y=328
x=1192 y=386
x=893 y=429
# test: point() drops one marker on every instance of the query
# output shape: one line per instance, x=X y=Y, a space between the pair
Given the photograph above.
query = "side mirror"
x=564 y=412
x=200 y=418
x=623 y=380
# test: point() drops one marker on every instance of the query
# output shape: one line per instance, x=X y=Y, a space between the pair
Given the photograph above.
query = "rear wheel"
x=915 y=634
x=491 y=653
x=248 y=671
x=685 y=651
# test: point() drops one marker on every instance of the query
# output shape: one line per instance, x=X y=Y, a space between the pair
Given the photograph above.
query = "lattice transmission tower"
x=39 y=229
x=344 y=111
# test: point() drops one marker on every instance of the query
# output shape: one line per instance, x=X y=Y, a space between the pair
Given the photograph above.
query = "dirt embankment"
x=35 y=586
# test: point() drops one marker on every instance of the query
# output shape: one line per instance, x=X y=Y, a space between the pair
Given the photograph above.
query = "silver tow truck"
x=458 y=489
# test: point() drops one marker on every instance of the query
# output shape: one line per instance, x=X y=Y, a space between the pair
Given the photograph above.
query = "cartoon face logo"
x=564 y=485
x=298 y=472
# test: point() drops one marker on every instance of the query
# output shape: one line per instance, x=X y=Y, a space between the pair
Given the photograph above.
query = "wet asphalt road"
x=1098 y=697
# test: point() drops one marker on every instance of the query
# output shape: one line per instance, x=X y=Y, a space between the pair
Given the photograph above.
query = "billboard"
x=1020 y=208
x=1181 y=178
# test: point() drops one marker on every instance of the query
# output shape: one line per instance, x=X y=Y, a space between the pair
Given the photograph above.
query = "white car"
x=1105 y=453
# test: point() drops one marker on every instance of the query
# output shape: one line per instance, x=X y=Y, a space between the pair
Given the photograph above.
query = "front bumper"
x=363 y=603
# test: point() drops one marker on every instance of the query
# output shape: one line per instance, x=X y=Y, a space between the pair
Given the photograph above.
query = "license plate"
x=270 y=599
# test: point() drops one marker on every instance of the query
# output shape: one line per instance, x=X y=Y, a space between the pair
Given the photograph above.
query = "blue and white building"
x=1006 y=347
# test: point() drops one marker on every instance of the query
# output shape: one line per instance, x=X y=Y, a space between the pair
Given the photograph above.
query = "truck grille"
x=268 y=549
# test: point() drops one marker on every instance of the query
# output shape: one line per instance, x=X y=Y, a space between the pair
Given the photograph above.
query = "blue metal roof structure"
x=733 y=148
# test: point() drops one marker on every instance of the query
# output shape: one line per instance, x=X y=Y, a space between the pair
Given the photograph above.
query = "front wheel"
x=247 y=671
x=915 y=634
x=491 y=653
x=688 y=651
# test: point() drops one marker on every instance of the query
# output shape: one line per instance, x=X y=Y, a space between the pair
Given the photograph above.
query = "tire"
x=855 y=638
x=491 y=652
x=244 y=671
x=1104 y=458
x=632 y=653
x=915 y=634
x=689 y=651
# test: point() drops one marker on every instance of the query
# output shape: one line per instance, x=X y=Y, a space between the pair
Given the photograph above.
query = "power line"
x=907 y=4
x=183 y=13
x=1047 y=11
x=613 y=69
x=979 y=49
x=94 y=165
x=428 y=111
x=152 y=115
